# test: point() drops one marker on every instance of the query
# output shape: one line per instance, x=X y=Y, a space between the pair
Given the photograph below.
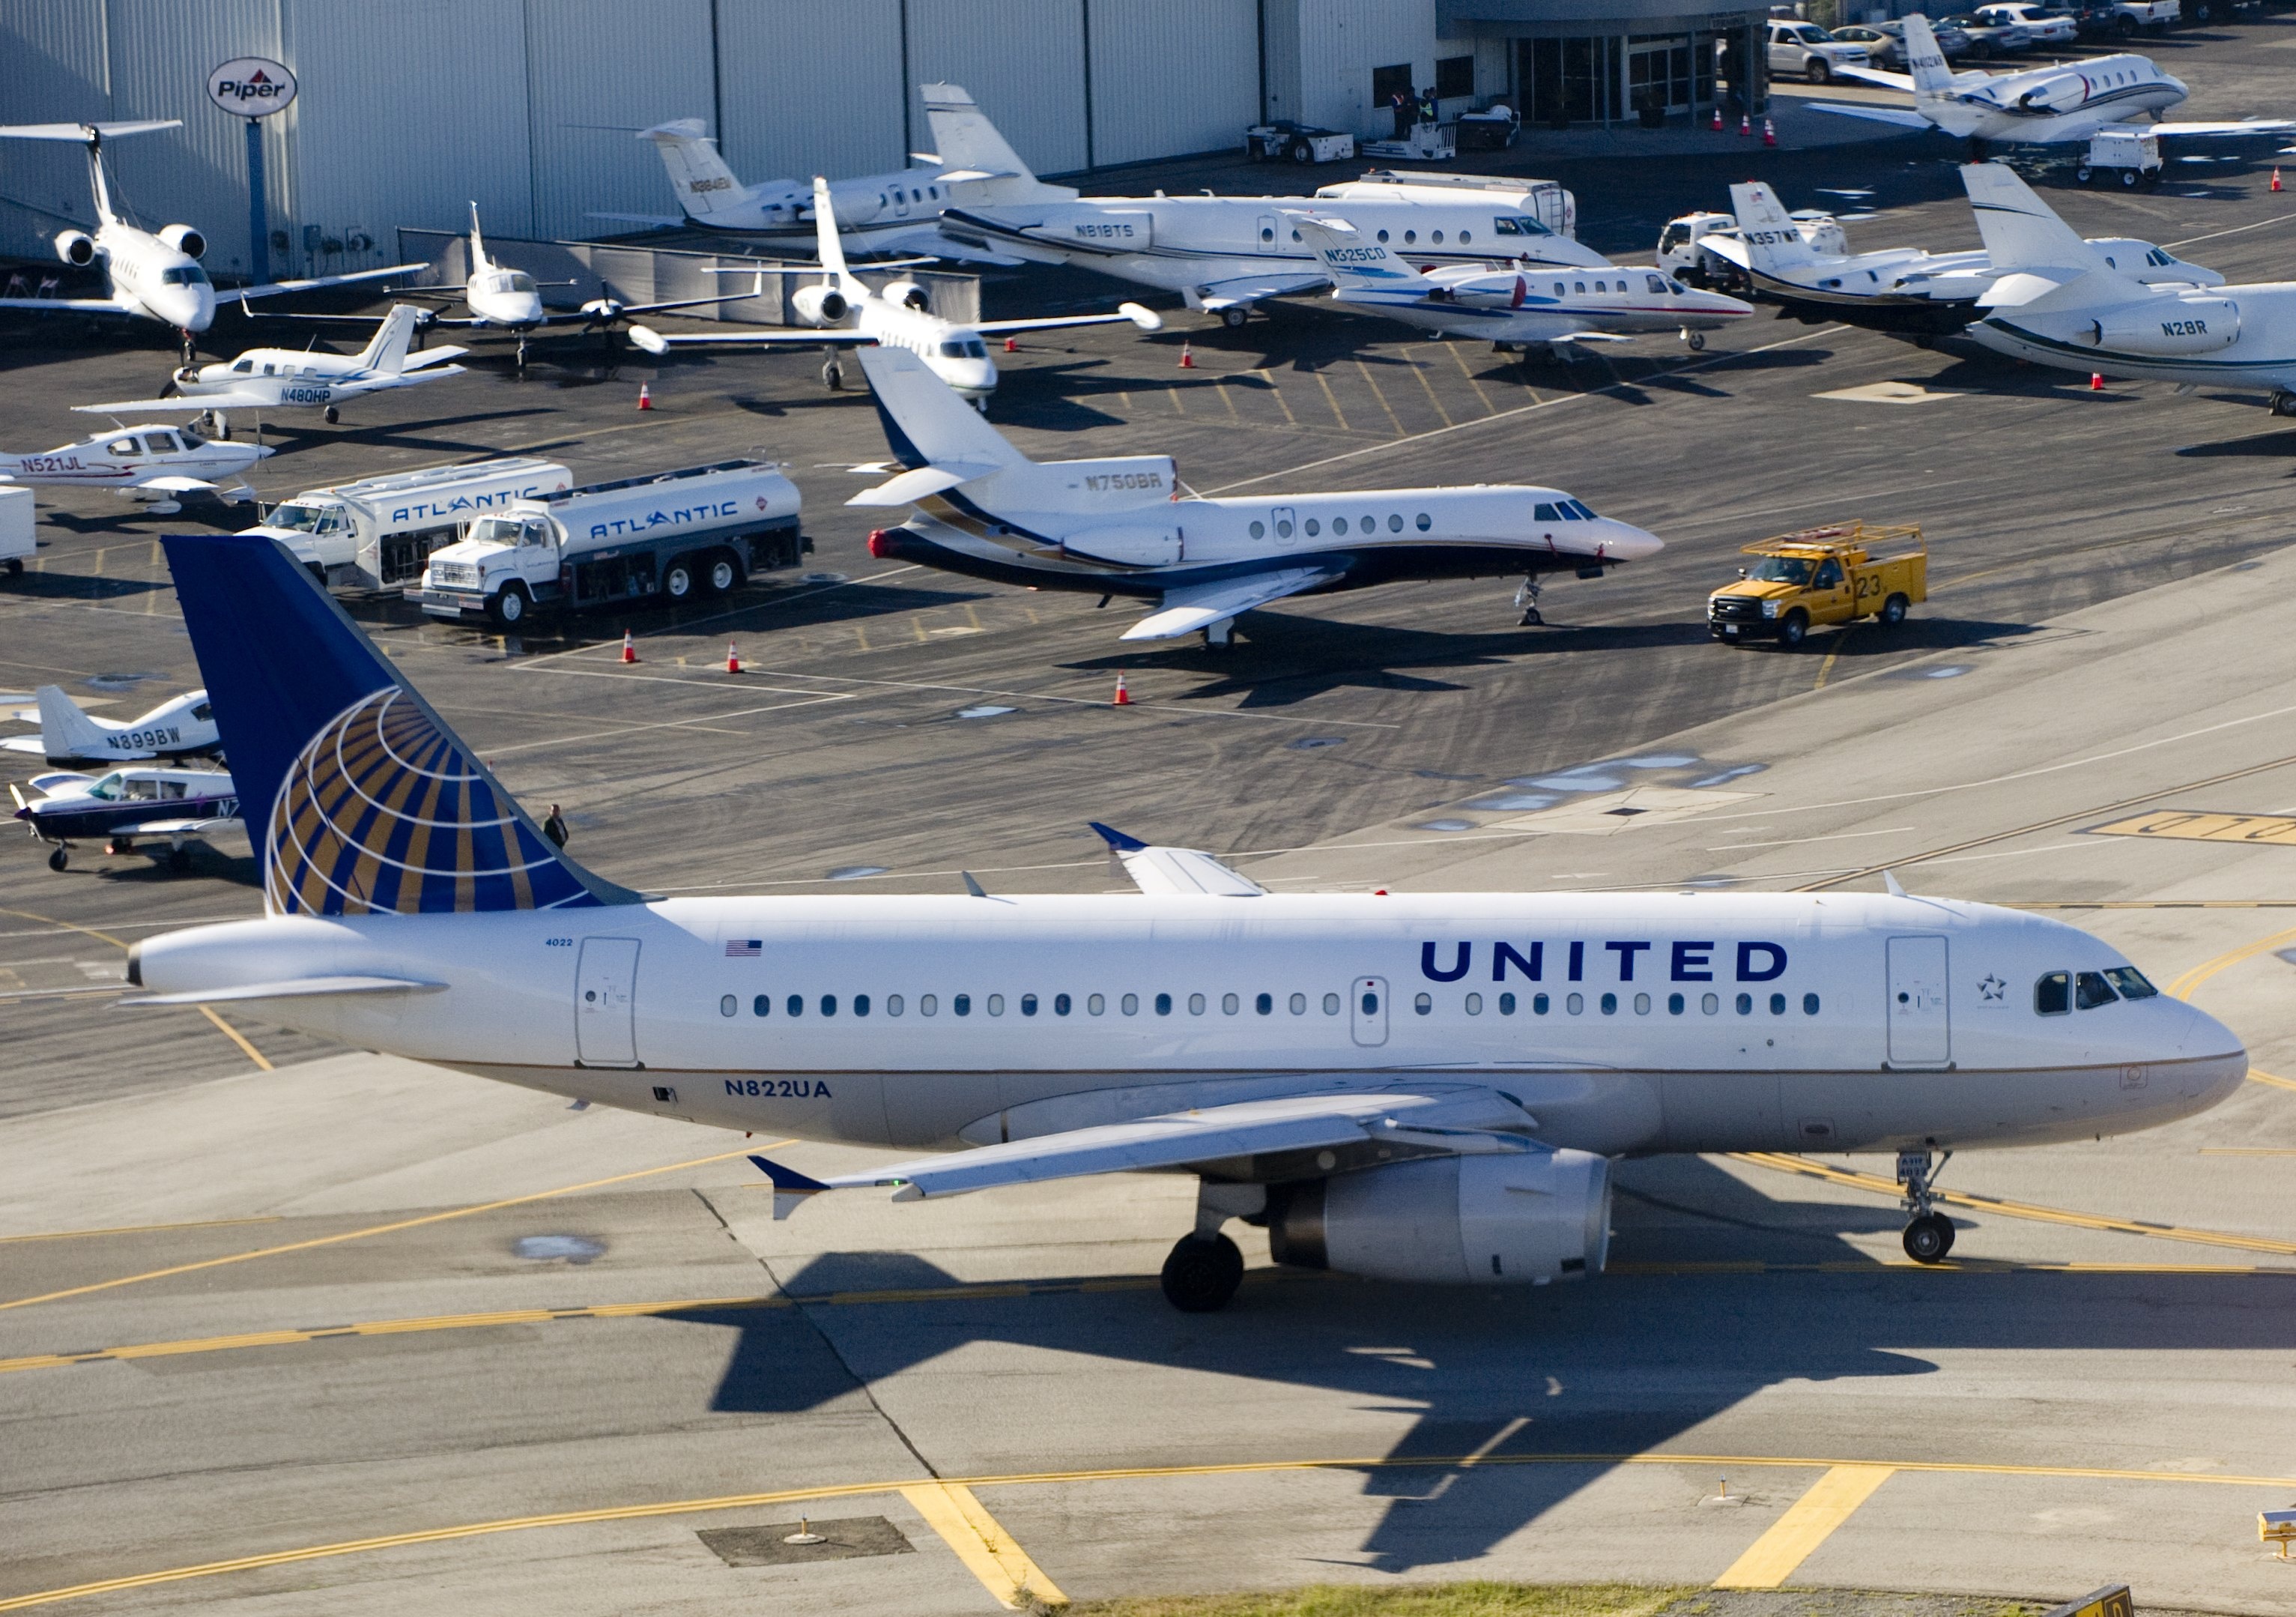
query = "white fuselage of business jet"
x=1621 y=1022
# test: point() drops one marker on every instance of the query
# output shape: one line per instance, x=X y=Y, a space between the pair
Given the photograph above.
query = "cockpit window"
x=2090 y=991
x=121 y=445
x=519 y=280
x=107 y=788
x=245 y=367
x=2053 y=994
x=188 y=274
x=1780 y=569
x=1545 y=511
x=2130 y=982
x=952 y=349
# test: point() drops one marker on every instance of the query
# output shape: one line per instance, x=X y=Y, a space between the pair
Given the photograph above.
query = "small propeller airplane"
x=157 y=465
x=1525 y=304
x=151 y=275
x=120 y=807
x=263 y=380
x=182 y=726
x=899 y=316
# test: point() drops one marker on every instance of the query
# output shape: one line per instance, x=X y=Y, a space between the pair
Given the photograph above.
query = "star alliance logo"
x=1992 y=990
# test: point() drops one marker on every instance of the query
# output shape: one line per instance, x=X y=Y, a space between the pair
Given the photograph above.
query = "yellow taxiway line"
x=986 y=1548
x=1771 y=1559
x=2186 y=985
x=681 y=1507
x=1783 y=1162
x=376 y=1229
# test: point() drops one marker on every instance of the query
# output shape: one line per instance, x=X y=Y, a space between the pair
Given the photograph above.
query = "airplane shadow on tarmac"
x=1619 y=1366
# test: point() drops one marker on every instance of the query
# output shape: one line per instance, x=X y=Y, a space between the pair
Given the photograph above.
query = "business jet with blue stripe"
x=1512 y=305
x=1125 y=527
x=2037 y=106
x=1419 y=1087
x=1903 y=290
x=2059 y=303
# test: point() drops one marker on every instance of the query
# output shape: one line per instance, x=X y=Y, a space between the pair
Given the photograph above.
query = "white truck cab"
x=1682 y=245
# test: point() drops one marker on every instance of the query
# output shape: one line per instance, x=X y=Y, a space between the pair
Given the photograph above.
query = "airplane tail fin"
x=359 y=799
x=1352 y=257
x=925 y=423
x=477 y=242
x=386 y=352
x=66 y=731
x=971 y=147
x=698 y=174
x=829 y=246
x=1774 y=242
x=1924 y=60
x=2022 y=232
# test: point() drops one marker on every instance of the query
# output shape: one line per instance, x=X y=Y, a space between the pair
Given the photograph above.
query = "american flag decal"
x=740 y=948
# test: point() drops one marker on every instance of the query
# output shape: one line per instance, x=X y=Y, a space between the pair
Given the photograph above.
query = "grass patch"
x=1467 y=1599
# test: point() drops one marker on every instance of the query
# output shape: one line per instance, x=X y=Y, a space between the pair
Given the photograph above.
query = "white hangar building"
x=409 y=108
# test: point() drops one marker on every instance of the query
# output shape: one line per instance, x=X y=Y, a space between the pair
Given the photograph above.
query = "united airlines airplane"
x=1422 y=1089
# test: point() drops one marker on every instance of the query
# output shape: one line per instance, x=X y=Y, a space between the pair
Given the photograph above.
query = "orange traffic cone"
x=645 y=396
x=2276 y=176
x=1123 y=697
x=1745 y=123
x=732 y=659
x=2096 y=382
x=1187 y=356
x=629 y=648
x=1717 y=117
x=1011 y=345
x=1769 y=133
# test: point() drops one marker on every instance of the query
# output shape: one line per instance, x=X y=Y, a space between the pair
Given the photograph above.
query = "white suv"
x=1808 y=50
x=2045 y=28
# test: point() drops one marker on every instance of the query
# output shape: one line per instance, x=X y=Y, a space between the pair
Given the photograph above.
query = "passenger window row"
x=2059 y=992
x=1368 y=525
x=793 y=1005
x=1575 y=1004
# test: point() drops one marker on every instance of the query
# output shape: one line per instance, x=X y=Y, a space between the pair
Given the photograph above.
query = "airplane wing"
x=403 y=378
x=181 y=404
x=654 y=342
x=86 y=305
x=910 y=487
x=1176 y=870
x=2198 y=131
x=1251 y=289
x=416 y=361
x=289 y=988
x=1881 y=75
x=1459 y=1122
x=174 y=485
x=1904 y=118
x=1201 y=605
x=198 y=827
x=277 y=288
x=658 y=221
x=1146 y=319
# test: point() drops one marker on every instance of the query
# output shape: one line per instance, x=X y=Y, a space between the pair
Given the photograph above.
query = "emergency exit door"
x=1368 y=1010
x=1921 y=1031
x=605 y=1014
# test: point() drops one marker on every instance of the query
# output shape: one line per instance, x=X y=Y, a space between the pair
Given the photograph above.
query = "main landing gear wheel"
x=1202 y=1274
x=1929 y=1238
x=832 y=375
x=1696 y=339
x=333 y=416
x=1234 y=318
x=61 y=857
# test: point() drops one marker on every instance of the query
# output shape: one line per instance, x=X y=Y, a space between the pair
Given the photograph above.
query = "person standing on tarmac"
x=554 y=827
x=1427 y=105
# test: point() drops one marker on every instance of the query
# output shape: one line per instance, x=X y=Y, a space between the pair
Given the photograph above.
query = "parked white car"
x=2042 y=27
x=1808 y=50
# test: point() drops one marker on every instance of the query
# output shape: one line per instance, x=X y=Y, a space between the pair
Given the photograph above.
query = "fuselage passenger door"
x=1921 y=1030
x=1368 y=1010
x=605 y=1009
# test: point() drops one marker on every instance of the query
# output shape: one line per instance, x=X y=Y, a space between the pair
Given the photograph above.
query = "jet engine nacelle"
x=1517 y=1219
x=909 y=295
x=819 y=305
x=2188 y=326
x=76 y=248
x=2062 y=92
x=186 y=241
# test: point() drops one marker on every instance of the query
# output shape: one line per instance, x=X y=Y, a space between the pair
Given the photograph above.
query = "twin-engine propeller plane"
x=1124 y=526
x=152 y=275
x=266 y=380
x=842 y=310
x=1421 y=1088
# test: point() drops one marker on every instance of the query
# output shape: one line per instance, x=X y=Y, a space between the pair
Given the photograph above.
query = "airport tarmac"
x=280 y=1322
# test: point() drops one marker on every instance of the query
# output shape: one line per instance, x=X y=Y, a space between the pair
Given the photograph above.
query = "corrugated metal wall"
x=1171 y=76
x=810 y=86
x=1341 y=41
x=1023 y=62
x=585 y=64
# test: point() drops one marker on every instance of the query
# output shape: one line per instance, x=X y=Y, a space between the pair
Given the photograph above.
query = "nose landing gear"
x=1929 y=1233
x=1526 y=597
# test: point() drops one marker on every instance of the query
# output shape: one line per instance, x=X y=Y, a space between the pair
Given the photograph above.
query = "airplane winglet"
x=790 y=1187
x=1116 y=840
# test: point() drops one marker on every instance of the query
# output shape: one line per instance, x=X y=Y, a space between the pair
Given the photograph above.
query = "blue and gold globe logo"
x=383 y=813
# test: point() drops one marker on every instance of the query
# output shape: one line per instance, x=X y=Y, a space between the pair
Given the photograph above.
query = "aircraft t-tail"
x=1421 y=1088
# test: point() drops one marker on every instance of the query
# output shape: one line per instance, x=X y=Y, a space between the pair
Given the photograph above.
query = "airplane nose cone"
x=529 y=311
x=196 y=312
x=1624 y=542
x=976 y=380
x=264 y=451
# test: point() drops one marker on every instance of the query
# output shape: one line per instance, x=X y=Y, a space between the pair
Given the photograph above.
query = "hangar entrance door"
x=1920 y=1033
x=605 y=1014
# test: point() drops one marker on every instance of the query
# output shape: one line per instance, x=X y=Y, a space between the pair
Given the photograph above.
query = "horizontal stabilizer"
x=1904 y=118
x=78 y=132
x=910 y=487
x=1462 y=1122
x=1250 y=288
x=1200 y=606
x=293 y=987
x=181 y=404
x=1880 y=75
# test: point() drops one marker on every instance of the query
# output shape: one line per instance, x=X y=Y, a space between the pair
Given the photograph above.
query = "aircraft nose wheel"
x=1929 y=1238
x=1202 y=1274
x=60 y=858
x=1696 y=339
x=1526 y=597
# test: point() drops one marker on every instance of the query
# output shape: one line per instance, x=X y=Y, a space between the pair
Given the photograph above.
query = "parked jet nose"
x=187 y=309
x=1625 y=542
x=973 y=378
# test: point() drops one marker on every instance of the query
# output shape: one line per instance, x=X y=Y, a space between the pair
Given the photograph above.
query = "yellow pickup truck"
x=1836 y=574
